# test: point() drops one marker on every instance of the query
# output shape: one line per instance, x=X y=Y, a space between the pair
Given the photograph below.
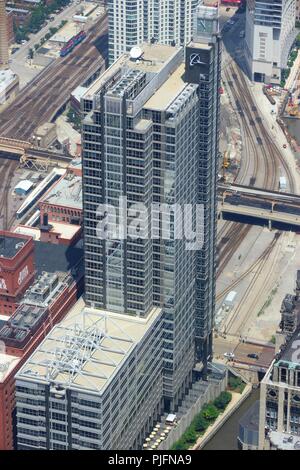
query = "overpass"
x=259 y=193
x=30 y=156
x=256 y=215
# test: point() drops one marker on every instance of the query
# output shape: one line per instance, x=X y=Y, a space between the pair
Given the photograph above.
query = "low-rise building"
x=44 y=304
x=9 y=87
x=280 y=398
x=45 y=135
x=74 y=391
x=63 y=201
x=17 y=269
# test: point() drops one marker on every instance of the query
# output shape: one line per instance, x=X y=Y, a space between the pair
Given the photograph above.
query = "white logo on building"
x=2 y=283
x=22 y=275
x=195 y=59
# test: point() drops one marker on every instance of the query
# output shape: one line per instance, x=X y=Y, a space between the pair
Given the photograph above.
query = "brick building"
x=16 y=269
x=44 y=304
x=63 y=201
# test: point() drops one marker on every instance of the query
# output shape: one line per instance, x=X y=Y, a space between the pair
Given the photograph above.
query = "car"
x=229 y=355
x=252 y=356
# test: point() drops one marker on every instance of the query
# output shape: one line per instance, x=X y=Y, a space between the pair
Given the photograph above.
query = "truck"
x=282 y=183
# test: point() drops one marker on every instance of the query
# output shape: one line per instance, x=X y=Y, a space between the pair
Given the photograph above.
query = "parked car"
x=229 y=355
x=253 y=356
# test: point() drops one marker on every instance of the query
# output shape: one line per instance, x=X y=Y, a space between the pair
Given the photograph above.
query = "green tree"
x=189 y=436
x=210 y=412
x=180 y=445
x=222 y=400
x=200 y=423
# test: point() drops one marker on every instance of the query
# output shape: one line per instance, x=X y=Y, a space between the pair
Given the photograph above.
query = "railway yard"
x=254 y=263
x=42 y=98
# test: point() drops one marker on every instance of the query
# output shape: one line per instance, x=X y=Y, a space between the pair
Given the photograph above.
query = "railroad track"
x=230 y=327
x=271 y=153
x=42 y=98
x=256 y=263
x=266 y=167
x=7 y=171
x=259 y=151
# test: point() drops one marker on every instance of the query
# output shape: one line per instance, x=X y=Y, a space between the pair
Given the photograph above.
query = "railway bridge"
x=30 y=156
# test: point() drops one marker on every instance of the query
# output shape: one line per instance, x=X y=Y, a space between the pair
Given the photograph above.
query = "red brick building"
x=45 y=304
x=63 y=201
x=17 y=269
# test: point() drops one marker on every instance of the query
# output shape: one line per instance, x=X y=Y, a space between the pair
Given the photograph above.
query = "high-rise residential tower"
x=269 y=35
x=154 y=140
x=132 y=22
x=3 y=37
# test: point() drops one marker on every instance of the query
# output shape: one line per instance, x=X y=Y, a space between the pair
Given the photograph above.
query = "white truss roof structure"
x=86 y=349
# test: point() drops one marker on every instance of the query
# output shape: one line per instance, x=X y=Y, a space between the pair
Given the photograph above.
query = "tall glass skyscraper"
x=132 y=22
x=151 y=134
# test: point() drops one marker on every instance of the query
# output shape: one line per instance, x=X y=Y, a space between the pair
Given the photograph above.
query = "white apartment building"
x=133 y=22
x=269 y=35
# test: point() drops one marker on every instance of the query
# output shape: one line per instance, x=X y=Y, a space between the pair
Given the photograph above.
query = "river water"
x=226 y=437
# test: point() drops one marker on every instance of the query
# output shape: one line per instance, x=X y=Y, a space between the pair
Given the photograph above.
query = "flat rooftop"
x=66 y=192
x=153 y=59
x=7 y=364
x=290 y=352
x=7 y=77
x=168 y=92
x=10 y=245
x=66 y=231
x=52 y=258
x=87 y=348
x=65 y=33
x=284 y=441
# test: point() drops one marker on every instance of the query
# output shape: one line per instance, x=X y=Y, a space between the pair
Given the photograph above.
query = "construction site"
x=289 y=108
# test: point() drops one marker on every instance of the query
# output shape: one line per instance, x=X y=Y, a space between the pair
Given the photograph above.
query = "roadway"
x=259 y=193
x=42 y=98
x=259 y=213
x=241 y=350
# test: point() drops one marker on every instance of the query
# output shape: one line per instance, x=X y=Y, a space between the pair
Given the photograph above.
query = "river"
x=226 y=437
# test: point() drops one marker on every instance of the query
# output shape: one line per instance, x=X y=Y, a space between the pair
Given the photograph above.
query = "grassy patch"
x=268 y=301
x=273 y=339
x=235 y=384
